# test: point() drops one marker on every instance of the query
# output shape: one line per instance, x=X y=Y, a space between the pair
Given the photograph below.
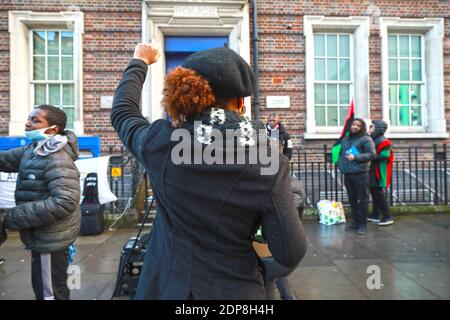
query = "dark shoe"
x=2 y=261
x=362 y=230
x=373 y=218
x=386 y=221
x=351 y=227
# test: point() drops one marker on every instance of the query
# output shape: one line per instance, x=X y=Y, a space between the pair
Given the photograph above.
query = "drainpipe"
x=255 y=59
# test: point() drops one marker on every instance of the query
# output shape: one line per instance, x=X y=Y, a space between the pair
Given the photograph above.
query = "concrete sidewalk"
x=413 y=256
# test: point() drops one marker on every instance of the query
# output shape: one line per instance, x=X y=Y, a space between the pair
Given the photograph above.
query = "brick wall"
x=111 y=30
x=282 y=54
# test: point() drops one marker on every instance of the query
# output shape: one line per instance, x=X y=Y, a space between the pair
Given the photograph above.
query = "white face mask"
x=38 y=134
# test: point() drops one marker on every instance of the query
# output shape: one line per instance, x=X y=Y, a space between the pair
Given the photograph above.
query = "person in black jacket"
x=276 y=130
x=354 y=162
x=200 y=246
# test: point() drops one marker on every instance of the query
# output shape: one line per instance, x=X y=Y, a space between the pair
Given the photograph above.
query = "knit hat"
x=228 y=74
x=380 y=126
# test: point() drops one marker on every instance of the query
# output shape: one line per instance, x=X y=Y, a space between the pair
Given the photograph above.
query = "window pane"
x=39 y=42
x=393 y=115
x=404 y=46
x=54 y=94
x=415 y=94
x=319 y=94
x=393 y=74
x=344 y=94
x=39 y=68
x=319 y=45
x=320 y=116
x=403 y=94
x=53 y=42
x=67 y=43
x=404 y=70
x=344 y=46
x=53 y=68
x=67 y=68
x=404 y=116
x=332 y=45
x=416 y=117
x=332 y=116
x=68 y=95
x=393 y=94
x=343 y=113
x=416 y=72
x=332 y=69
x=320 y=69
x=392 y=46
x=70 y=117
x=416 y=46
x=344 y=69
x=39 y=94
x=331 y=93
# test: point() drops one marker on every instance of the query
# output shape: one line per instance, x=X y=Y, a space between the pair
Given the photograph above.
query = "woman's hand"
x=147 y=53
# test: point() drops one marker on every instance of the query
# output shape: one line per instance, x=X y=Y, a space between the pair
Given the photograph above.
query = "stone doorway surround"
x=162 y=18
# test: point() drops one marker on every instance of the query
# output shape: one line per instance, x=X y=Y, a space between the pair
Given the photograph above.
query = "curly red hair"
x=186 y=93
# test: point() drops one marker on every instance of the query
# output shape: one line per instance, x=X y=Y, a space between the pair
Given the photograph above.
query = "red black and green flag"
x=336 y=149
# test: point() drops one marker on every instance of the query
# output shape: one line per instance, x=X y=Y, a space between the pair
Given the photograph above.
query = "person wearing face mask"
x=47 y=196
x=354 y=162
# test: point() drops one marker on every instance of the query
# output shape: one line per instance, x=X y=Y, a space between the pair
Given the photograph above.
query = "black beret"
x=227 y=73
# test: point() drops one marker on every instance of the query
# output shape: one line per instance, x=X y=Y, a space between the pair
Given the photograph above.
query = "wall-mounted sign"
x=106 y=102
x=195 y=11
x=278 y=101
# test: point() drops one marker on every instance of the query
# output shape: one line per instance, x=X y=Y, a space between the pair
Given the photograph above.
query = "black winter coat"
x=47 y=196
x=366 y=149
x=201 y=237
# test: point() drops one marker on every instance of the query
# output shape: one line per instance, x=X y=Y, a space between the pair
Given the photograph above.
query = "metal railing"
x=420 y=175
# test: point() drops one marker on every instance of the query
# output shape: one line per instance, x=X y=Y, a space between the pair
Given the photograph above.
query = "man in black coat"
x=200 y=246
x=275 y=129
x=354 y=162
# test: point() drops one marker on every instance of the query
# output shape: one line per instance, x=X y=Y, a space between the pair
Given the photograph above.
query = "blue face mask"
x=38 y=134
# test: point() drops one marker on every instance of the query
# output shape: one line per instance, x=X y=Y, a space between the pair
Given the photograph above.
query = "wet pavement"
x=411 y=257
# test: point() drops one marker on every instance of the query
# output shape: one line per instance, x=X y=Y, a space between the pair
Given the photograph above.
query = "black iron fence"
x=420 y=175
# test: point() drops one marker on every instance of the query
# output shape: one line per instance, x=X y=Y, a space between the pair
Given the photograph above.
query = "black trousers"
x=357 y=186
x=379 y=202
x=49 y=275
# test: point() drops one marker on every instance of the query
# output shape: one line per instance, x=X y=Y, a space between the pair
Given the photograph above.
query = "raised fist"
x=146 y=53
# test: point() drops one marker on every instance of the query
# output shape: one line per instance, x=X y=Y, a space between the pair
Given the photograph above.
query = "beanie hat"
x=228 y=74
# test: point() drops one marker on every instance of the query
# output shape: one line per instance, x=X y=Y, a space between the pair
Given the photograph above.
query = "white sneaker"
x=386 y=222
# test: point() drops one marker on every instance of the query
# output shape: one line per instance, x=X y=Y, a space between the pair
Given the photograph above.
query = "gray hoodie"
x=47 y=212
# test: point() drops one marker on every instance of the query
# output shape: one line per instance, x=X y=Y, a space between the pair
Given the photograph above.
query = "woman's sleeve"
x=282 y=226
x=126 y=117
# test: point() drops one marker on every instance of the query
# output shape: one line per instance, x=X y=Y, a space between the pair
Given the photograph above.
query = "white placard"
x=278 y=101
x=106 y=102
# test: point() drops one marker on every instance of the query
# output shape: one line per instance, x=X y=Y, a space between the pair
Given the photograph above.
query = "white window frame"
x=337 y=82
x=359 y=28
x=47 y=82
x=433 y=108
x=422 y=83
x=21 y=101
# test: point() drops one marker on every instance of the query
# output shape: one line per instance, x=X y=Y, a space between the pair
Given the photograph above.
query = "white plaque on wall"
x=278 y=101
x=106 y=102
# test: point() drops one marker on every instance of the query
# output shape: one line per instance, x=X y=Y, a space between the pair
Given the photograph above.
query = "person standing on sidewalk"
x=354 y=162
x=380 y=174
x=276 y=129
x=200 y=246
x=47 y=213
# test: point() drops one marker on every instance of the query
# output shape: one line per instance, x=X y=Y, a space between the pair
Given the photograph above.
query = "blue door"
x=178 y=48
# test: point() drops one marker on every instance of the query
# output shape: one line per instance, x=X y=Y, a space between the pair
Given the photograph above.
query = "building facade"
x=313 y=57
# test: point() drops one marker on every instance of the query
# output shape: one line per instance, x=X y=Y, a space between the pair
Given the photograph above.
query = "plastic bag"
x=330 y=212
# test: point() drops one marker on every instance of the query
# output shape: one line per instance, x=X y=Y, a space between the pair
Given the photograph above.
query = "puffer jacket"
x=366 y=148
x=47 y=211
